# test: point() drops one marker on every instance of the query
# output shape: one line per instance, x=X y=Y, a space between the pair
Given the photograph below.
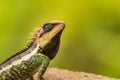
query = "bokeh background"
x=90 y=41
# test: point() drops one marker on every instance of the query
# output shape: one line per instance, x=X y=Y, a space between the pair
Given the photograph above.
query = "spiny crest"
x=35 y=35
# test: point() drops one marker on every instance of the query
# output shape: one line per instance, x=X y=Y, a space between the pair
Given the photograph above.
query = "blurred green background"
x=90 y=41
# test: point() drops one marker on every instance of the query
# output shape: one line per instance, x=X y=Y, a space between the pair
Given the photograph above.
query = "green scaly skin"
x=36 y=56
x=25 y=69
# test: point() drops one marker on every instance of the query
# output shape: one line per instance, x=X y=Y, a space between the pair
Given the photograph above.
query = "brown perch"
x=62 y=74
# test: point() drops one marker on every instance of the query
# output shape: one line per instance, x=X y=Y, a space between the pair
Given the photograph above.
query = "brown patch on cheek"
x=44 y=40
x=56 y=30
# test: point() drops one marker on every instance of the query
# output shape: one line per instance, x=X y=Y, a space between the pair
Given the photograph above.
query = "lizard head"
x=49 y=38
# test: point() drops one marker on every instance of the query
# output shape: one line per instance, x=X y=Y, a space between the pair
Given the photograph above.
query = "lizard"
x=36 y=56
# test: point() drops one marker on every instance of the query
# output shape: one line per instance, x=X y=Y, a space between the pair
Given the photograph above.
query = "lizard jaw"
x=46 y=38
x=49 y=42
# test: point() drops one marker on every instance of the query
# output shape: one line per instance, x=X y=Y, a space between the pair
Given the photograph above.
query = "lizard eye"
x=48 y=27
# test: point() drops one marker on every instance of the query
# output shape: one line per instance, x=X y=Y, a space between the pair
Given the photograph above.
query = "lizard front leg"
x=43 y=68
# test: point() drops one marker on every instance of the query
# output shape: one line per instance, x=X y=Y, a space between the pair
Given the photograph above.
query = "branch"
x=61 y=74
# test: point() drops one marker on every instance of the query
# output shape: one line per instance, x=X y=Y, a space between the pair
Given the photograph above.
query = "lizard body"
x=42 y=47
